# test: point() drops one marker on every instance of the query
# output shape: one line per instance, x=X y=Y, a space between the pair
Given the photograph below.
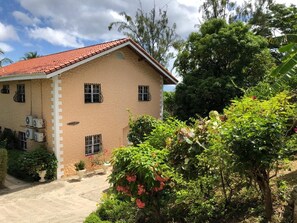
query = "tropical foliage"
x=152 y=31
x=217 y=64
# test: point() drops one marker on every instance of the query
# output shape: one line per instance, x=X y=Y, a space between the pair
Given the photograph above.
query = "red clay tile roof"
x=54 y=62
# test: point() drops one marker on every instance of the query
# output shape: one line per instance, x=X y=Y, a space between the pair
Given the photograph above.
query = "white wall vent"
x=37 y=122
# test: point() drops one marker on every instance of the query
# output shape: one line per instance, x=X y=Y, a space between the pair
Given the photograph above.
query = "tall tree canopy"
x=215 y=63
x=152 y=31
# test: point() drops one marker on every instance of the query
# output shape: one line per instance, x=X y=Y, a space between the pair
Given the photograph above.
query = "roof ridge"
x=85 y=47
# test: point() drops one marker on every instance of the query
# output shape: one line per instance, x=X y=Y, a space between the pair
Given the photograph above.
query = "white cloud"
x=5 y=47
x=24 y=18
x=55 y=37
x=7 y=32
x=89 y=20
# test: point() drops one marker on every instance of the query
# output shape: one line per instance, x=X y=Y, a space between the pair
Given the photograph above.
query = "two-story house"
x=75 y=102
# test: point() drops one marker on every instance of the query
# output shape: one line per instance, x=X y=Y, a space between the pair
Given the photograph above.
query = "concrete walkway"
x=66 y=200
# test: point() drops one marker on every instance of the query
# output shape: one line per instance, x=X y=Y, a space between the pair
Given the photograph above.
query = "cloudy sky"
x=49 y=26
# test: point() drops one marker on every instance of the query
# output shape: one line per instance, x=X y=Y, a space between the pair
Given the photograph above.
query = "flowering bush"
x=141 y=174
x=100 y=158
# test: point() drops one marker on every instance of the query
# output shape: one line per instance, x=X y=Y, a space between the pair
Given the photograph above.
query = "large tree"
x=217 y=64
x=152 y=31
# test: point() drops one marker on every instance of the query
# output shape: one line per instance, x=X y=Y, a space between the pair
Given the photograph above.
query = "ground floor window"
x=22 y=141
x=93 y=144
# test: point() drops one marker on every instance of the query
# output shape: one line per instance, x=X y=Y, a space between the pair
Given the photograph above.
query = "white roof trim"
x=44 y=76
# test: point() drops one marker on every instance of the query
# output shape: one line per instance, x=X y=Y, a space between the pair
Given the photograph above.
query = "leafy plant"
x=115 y=209
x=140 y=128
x=80 y=165
x=255 y=133
x=3 y=165
x=36 y=160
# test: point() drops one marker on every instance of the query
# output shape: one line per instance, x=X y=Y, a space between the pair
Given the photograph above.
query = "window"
x=93 y=144
x=93 y=93
x=5 y=89
x=144 y=93
x=22 y=141
x=20 y=94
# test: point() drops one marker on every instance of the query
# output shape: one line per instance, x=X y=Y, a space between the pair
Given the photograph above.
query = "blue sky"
x=49 y=26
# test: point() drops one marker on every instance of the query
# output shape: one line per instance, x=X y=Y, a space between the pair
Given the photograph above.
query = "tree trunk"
x=263 y=182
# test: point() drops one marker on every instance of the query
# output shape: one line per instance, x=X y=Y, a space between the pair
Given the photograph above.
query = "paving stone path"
x=66 y=200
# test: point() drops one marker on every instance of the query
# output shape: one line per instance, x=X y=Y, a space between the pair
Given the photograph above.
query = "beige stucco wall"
x=37 y=103
x=119 y=78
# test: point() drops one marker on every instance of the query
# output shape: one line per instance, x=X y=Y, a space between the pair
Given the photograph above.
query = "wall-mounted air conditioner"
x=38 y=122
x=29 y=133
x=38 y=136
x=29 y=120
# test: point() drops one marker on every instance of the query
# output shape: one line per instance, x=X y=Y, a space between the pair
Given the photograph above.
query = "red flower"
x=139 y=203
x=131 y=178
x=160 y=179
x=161 y=187
x=254 y=97
x=141 y=189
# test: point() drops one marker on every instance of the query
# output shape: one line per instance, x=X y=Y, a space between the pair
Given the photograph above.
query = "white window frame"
x=91 y=143
x=93 y=93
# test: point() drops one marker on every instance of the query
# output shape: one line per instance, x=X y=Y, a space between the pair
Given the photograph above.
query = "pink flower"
x=295 y=130
x=141 y=189
x=139 y=203
x=131 y=178
x=125 y=190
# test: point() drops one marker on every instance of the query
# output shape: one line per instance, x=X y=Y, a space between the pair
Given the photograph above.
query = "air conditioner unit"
x=29 y=133
x=37 y=122
x=38 y=136
x=29 y=120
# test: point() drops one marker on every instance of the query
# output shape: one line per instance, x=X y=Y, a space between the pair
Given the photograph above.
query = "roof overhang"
x=148 y=58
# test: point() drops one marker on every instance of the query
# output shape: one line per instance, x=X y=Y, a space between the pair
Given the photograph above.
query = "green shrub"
x=14 y=165
x=80 y=165
x=38 y=159
x=113 y=210
x=9 y=139
x=140 y=128
x=163 y=132
x=94 y=218
x=3 y=165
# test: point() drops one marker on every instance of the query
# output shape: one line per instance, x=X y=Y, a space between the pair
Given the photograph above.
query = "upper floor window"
x=93 y=144
x=22 y=140
x=5 y=89
x=93 y=93
x=20 y=94
x=144 y=93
